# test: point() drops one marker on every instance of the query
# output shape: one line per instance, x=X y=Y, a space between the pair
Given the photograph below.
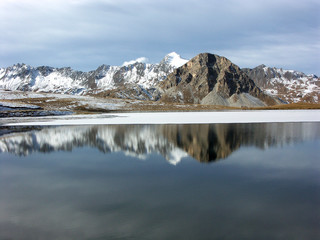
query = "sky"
x=85 y=34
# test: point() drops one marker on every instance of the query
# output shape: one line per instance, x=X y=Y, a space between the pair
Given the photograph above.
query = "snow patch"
x=18 y=105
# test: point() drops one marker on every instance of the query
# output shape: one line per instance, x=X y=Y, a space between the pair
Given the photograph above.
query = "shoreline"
x=201 y=117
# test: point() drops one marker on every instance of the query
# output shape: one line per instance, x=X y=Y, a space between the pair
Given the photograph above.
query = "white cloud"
x=140 y=60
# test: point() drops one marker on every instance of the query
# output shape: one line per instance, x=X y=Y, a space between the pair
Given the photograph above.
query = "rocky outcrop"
x=291 y=86
x=211 y=79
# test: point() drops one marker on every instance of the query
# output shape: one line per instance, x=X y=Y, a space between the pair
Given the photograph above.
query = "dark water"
x=218 y=181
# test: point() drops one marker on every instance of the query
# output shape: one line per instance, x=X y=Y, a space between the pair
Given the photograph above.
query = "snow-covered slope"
x=43 y=79
x=289 y=85
x=68 y=81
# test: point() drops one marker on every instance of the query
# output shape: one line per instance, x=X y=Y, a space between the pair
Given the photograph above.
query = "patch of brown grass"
x=163 y=107
x=299 y=105
x=86 y=109
x=80 y=107
x=50 y=103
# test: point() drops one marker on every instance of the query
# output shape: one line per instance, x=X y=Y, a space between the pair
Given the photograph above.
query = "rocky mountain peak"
x=212 y=79
x=212 y=61
x=261 y=66
x=19 y=65
x=45 y=70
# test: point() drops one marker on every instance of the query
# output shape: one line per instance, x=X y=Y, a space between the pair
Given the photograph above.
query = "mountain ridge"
x=289 y=85
x=146 y=81
x=105 y=77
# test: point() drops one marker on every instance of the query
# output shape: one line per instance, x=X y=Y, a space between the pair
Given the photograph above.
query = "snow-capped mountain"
x=174 y=60
x=289 y=85
x=43 y=79
x=136 y=74
x=171 y=79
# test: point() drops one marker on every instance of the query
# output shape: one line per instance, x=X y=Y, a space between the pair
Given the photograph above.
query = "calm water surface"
x=217 y=181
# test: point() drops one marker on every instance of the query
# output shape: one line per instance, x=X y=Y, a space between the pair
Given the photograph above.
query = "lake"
x=192 y=181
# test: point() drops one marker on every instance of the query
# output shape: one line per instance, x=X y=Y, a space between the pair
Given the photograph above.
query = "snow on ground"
x=28 y=94
x=77 y=100
x=24 y=94
x=174 y=118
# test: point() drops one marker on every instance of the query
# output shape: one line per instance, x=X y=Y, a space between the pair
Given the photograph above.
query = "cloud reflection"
x=77 y=182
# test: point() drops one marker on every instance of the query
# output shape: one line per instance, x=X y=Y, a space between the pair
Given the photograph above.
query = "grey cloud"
x=116 y=31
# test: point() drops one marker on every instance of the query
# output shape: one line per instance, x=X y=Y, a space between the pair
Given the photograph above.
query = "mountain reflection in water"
x=203 y=142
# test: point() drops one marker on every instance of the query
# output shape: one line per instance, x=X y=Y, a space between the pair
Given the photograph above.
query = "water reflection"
x=203 y=142
x=86 y=186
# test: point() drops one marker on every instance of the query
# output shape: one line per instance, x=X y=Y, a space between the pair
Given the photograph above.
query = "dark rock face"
x=211 y=79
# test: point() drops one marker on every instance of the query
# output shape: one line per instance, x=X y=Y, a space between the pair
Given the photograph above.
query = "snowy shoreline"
x=259 y=116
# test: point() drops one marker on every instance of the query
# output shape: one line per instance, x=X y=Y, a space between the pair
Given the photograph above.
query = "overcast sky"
x=84 y=34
